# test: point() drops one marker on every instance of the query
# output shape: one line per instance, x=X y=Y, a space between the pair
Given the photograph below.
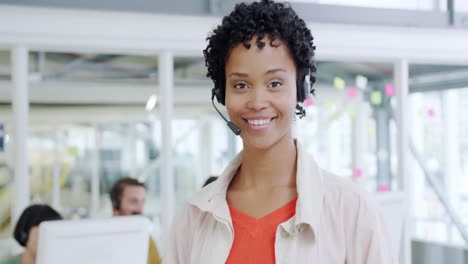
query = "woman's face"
x=261 y=92
x=31 y=245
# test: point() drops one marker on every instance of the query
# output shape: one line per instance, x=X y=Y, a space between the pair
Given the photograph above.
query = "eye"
x=275 y=84
x=240 y=85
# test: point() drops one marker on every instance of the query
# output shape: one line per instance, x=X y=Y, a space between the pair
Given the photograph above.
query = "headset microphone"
x=235 y=129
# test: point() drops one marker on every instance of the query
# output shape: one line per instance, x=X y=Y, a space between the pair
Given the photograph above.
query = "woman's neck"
x=28 y=257
x=268 y=168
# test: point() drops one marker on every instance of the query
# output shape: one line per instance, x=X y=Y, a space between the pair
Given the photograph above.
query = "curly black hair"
x=278 y=21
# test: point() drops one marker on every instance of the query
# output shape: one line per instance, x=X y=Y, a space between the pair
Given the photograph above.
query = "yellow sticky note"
x=328 y=105
x=351 y=111
x=334 y=117
x=339 y=83
x=370 y=128
x=376 y=98
x=73 y=151
x=421 y=113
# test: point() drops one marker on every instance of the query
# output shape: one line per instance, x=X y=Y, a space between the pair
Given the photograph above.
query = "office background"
x=91 y=91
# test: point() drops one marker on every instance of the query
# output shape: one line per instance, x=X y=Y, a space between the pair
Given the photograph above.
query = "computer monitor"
x=118 y=240
x=392 y=206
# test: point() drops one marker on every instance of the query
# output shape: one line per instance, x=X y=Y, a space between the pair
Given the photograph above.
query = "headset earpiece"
x=306 y=86
x=115 y=201
x=216 y=92
x=303 y=87
x=23 y=238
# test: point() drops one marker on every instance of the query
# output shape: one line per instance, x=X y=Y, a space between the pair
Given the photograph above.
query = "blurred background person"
x=26 y=232
x=128 y=197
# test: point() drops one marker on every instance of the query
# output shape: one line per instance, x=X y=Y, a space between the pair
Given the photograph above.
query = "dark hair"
x=118 y=189
x=278 y=21
x=210 y=180
x=31 y=217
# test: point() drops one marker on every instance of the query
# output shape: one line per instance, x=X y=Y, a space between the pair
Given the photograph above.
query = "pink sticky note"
x=308 y=102
x=352 y=92
x=389 y=89
x=431 y=112
x=384 y=188
x=357 y=173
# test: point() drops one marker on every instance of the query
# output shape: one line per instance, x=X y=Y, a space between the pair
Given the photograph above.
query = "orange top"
x=254 y=239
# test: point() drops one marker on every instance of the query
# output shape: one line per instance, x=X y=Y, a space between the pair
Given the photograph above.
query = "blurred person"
x=26 y=232
x=128 y=197
x=209 y=180
x=272 y=203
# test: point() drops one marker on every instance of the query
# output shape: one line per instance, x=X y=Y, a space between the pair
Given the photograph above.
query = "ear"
x=115 y=212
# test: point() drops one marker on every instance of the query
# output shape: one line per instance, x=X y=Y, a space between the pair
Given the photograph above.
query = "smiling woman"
x=272 y=204
x=261 y=92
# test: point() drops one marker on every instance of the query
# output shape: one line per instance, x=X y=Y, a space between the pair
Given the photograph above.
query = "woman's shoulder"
x=341 y=184
x=341 y=189
x=12 y=260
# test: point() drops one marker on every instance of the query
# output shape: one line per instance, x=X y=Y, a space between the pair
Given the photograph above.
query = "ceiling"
x=86 y=75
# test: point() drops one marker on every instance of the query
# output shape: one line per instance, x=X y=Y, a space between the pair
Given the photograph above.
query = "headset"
x=305 y=89
x=22 y=234
x=303 y=92
x=115 y=199
x=23 y=238
x=116 y=202
x=216 y=93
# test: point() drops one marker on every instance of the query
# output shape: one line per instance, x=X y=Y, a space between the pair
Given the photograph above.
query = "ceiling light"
x=151 y=102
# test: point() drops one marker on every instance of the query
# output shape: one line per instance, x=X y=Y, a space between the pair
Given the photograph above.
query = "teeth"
x=259 y=122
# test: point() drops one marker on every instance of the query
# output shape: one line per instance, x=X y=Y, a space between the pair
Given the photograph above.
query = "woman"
x=26 y=232
x=272 y=204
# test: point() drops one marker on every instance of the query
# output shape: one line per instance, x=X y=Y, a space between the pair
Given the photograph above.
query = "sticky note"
x=431 y=112
x=357 y=173
x=370 y=128
x=352 y=92
x=334 y=117
x=329 y=105
x=384 y=188
x=421 y=113
x=308 y=102
x=361 y=82
x=389 y=89
x=351 y=111
x=376 y=98
x=339 y=83
x=73 y=150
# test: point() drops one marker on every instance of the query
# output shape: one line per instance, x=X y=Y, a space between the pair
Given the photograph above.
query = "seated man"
x=128 y=198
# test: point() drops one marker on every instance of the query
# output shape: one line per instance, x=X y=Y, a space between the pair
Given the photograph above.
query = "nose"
x=258 y=98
